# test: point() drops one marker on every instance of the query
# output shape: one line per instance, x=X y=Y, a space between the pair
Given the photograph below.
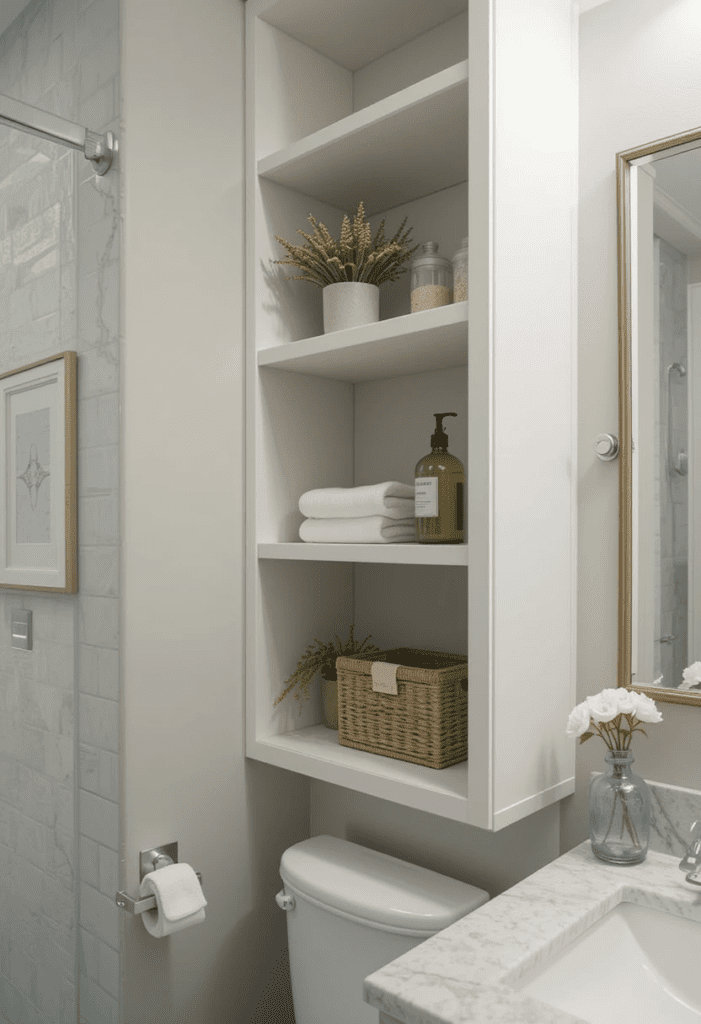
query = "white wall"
x=640 y=79
x=185 y=777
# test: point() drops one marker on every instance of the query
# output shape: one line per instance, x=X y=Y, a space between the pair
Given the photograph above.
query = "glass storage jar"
x=431 y=279
x=460 y=273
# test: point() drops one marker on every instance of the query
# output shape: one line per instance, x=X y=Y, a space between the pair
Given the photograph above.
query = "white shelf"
x=375 y=154
x=316 y=751
x=432 y=339
x=398 y=554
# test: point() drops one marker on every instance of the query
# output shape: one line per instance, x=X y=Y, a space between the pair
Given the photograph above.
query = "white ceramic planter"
x=350 y=304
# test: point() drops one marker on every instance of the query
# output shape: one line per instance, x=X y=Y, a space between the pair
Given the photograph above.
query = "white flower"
x=656 y=682
x=691 y=676
x=624 y=709
x=604 y=706
x=626 y=700
x=646 y=709
x=579 y=720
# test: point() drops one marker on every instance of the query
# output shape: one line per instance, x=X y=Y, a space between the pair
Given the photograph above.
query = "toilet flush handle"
x=285 y=901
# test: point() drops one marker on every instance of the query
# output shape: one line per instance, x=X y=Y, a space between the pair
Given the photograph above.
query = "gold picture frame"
x=39 y=476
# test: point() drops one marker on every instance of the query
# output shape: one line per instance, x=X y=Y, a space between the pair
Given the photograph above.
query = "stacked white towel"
x=374 y=514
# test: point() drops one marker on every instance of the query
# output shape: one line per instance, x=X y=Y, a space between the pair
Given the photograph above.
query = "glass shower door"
x=38 y=700
x=59 y=710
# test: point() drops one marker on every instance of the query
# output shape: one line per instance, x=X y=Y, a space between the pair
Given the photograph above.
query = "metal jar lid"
x=429 y=257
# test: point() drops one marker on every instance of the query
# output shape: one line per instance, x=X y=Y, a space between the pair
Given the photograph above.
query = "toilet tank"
x=354 y=911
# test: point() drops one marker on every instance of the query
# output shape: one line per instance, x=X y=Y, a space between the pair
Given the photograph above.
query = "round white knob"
x=285 y=901
x=606 y=447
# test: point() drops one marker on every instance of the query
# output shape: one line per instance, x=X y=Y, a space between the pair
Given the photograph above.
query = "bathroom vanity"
x=517 y=959
x=395 y=104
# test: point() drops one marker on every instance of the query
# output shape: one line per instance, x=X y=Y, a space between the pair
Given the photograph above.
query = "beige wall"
x=640 y=79
x=492 y=861
x=185 y=777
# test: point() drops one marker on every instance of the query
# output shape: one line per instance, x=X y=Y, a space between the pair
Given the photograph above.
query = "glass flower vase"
x=619 y=812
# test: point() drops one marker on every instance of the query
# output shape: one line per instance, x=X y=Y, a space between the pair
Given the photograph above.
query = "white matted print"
x=38 y=476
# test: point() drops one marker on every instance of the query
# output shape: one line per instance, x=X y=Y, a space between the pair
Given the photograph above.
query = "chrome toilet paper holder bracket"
x=150 y=860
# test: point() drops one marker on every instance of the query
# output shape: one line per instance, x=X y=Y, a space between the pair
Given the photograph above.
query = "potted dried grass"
x=320 y=658
x=350 y=270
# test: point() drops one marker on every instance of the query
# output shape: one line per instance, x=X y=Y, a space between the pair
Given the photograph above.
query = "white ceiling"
x=9 y=9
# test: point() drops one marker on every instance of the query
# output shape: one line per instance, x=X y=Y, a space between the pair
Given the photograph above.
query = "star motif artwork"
x=33 y=475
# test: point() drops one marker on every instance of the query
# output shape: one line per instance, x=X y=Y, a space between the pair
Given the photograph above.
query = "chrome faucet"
x=691 y=862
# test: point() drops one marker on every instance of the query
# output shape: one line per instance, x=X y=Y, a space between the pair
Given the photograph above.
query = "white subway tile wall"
x=59 y=710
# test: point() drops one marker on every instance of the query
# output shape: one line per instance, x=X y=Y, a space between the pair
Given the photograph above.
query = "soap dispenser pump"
x=440 y=483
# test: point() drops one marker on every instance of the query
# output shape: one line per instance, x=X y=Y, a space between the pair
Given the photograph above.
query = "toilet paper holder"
x=150 y=860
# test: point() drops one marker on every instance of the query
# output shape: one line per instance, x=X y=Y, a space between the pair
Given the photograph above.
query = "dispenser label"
x=426 y=497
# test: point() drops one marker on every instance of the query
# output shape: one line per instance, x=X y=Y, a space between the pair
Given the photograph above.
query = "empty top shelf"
x=403 y=147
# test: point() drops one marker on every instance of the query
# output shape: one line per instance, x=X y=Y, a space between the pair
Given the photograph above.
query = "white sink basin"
x=634 y=965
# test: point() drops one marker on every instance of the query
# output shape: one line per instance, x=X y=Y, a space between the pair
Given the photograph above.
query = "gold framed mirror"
x=659 y=323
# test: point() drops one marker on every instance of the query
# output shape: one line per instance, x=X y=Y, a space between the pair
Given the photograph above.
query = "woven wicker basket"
x=425 y=723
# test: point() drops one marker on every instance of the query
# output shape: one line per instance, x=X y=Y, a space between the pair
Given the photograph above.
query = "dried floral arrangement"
x=320 y=656
x=357 y=256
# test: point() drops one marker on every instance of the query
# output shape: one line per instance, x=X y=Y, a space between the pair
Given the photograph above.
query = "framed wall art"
x=39 y=476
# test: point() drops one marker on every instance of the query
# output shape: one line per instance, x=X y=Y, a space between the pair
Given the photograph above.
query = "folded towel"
x=362 y=530
x=391 y=499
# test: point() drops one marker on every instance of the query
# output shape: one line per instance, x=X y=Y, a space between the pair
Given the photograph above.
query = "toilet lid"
x=380 y=890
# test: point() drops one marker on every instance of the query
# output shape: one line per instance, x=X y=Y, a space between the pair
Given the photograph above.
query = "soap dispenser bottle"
x=440 y=483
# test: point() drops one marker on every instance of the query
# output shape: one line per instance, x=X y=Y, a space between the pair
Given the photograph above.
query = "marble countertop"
x=465 y=974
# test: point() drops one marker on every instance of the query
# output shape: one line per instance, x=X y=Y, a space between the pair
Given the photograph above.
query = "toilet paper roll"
x=179 y=897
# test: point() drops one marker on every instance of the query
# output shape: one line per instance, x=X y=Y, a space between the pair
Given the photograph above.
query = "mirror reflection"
x=661 y=476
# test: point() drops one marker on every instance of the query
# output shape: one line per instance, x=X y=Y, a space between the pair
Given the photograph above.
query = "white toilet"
x=351 y=911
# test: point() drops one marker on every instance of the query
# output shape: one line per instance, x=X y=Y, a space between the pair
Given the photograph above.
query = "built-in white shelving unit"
x=394 y=104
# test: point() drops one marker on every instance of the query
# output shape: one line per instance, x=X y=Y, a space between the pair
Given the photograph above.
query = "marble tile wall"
x=674 y=811
x=59 y=721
